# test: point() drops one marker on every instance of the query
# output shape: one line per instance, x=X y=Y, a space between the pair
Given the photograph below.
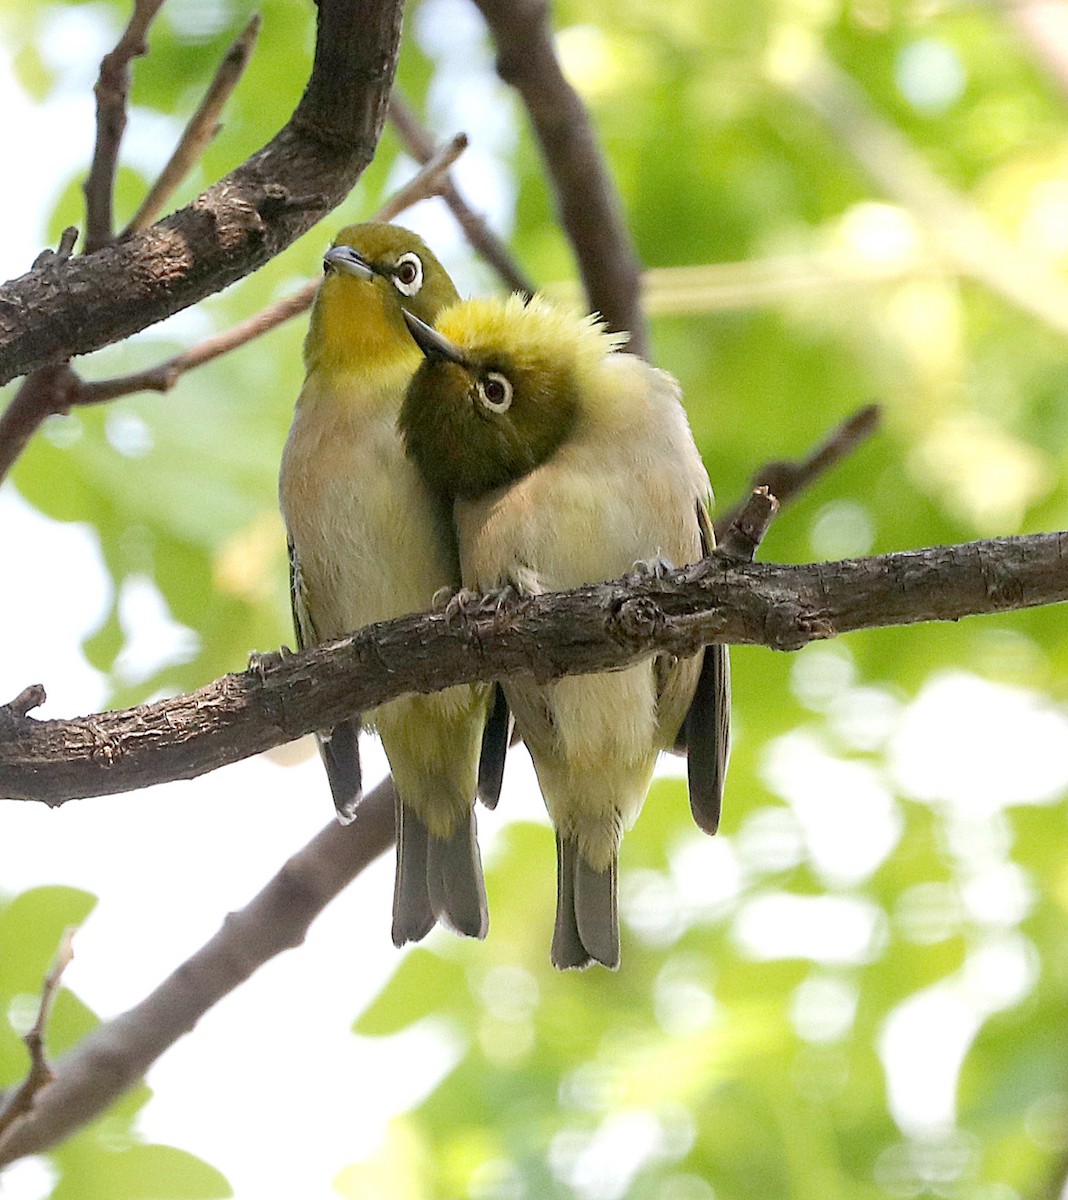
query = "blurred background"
x=860 y=987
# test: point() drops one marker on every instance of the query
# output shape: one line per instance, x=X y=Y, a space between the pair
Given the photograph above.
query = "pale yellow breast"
x=371 y=540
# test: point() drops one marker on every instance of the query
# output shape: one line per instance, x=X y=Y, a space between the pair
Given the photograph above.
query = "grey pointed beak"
x=344 y=258
x=433 y=344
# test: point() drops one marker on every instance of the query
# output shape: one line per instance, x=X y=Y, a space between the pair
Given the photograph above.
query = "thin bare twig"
x=586 y=198
x=40 y=1075
x=484 y=241
x=42 y=394
x=201 y=129
x=161 y=378
x=431 y=180
x=785 y=479
x=747 y=527
x=112 y=88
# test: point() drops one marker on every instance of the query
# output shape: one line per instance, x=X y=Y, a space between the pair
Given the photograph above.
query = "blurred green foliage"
x=890 y=881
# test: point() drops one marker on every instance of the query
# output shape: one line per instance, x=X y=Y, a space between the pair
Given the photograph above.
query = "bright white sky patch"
x=980 y=746
x=848 y=817
x=827 y=929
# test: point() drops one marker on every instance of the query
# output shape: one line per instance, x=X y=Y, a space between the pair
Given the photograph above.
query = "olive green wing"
x=340 y=746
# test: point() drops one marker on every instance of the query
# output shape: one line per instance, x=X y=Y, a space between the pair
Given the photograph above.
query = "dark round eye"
x=495 y=392
x=408 y=274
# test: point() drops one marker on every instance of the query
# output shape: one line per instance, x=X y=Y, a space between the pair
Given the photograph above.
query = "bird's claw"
x=500 y=601
x=258 y=662
x=657 y=567
x=459 y=605
x=465 y=603
x=442 y=598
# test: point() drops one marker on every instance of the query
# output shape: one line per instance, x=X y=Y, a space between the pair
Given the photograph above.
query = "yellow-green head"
x=501 y=387
x=371 y=270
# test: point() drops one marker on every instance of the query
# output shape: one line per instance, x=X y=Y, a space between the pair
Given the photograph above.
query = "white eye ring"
x=408 y=274
x=495 y=392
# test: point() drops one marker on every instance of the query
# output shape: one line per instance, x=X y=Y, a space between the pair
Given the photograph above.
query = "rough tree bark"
x=54 y=311
x=600 y=627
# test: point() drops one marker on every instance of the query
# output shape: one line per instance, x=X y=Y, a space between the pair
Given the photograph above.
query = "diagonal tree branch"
x=201 y=129
x=233 y=227
x=599 y=627
x=117 y=1054
x=586 y=199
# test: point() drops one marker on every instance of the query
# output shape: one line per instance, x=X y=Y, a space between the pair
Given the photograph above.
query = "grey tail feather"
x=495 y=739
x=413 y=916
x=587 y=922
x=454 y=880
x=707 y=728
x=341 y=755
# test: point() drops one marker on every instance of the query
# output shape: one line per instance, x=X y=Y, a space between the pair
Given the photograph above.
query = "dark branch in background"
x=420 y=144
x=235 y=226
x=52 y=390
x=112 y=88
x=603 y=626
x=39 y=1076
x=203 y=126
x=586 y=198
x=111 y=1059
x=785 y=479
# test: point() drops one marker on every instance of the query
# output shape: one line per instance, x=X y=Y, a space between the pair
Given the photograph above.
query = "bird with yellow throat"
x=369 y=541
x=567 y=462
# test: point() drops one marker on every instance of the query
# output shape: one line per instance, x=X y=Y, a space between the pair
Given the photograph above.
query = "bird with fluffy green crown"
x=369 y=541
x=567 y=462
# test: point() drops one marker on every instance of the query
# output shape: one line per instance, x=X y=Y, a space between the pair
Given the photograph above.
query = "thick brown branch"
x=595 y=628
x=203 y=126
x=237 y=224
x=586 y=198
x=420 y=145
x=116 y=1054
x=112 y=88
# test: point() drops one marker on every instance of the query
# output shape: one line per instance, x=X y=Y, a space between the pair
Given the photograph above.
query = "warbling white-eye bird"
x=568 y=462
x=368 y=541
